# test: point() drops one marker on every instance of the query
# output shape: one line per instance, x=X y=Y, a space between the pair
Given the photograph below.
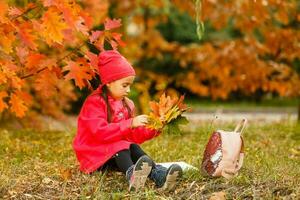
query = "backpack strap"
x=241 y=158
x=240 y=161
x=240 y=127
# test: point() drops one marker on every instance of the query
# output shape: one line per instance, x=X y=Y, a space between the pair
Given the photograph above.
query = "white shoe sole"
x=140 y=176
x=174 y=174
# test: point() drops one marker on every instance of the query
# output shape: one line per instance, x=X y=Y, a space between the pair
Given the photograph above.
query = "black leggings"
x=125 y=158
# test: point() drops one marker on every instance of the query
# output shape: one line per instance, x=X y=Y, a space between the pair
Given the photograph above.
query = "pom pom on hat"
x=113 y=66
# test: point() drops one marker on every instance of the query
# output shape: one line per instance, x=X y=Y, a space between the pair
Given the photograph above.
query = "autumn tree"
x=249 y=47
x=45 y=44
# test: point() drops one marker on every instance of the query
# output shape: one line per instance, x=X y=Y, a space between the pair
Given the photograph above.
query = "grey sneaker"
x=137 y=174
x=164 y=178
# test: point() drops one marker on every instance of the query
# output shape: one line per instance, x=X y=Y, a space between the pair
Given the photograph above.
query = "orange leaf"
x=78 y=72
x=7 y=38
x=26 y=35
x=180 y=103
x=87 y=19
x=66 y=174
x=16 y=82
x=17 y=105
x=3 y=78
x=165 y=111
x=80 y=26
x=93 y=58
x=155 y=108
x=26 y=97
x=3 y=105
x=4 y=10
x=46 y=83
x=34 y=60
x=53 y=26
x=117 y=38
x=22 y=53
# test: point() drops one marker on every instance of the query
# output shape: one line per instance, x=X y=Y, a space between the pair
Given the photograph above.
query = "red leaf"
x=95 y=35
x=93 y=58
x=80 y=26
x=112 y=24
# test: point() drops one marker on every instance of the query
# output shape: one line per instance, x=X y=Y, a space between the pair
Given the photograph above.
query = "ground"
x=41 y=165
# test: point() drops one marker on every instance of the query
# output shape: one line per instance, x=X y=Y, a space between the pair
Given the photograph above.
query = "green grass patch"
x=265 y=104
x=42 y=165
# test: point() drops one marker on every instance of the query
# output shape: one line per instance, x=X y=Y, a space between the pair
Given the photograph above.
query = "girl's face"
x=120 y=88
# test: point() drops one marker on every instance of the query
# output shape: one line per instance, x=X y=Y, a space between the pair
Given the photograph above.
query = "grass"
x=42 y=165
x=280 y=104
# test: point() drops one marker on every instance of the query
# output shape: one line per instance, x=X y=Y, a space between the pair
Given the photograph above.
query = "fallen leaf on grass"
x=66 y=174
x=218 y=196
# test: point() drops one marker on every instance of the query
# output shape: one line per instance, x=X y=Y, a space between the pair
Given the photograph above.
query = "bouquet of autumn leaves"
x=166 y=114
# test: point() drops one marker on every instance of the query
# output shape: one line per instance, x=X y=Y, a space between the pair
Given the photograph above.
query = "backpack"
x=224 y=152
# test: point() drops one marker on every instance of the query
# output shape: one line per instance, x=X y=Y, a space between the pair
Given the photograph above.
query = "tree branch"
x=59 y=60
x=24 y=13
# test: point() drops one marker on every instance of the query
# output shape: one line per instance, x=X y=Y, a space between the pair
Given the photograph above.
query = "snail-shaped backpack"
x=224 y=152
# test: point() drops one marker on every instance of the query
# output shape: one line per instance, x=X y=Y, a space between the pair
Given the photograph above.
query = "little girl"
x=109 y=135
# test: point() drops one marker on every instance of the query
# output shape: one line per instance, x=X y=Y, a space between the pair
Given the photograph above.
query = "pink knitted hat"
x=113 y=66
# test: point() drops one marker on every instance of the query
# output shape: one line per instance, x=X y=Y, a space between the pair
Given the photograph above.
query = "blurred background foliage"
x=250 y=50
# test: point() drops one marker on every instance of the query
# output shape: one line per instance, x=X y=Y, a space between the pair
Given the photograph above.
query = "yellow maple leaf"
x=53 y=26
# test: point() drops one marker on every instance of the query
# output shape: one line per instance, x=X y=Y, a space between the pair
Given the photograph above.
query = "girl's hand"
x=140 y=120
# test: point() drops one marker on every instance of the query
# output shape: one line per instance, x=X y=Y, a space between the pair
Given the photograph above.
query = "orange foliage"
x=45 y=43
x=165 y=110
x=217 y=68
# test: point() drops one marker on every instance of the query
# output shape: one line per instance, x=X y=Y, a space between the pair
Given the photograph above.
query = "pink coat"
x=97 y=140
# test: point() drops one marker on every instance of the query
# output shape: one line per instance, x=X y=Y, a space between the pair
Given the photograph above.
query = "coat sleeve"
x=141 y=134
x=93 y=119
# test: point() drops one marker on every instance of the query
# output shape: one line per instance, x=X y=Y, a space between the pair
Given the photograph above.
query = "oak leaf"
x=27 y=35
x=53 y=26
x=17 y=105
x=78 y=72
